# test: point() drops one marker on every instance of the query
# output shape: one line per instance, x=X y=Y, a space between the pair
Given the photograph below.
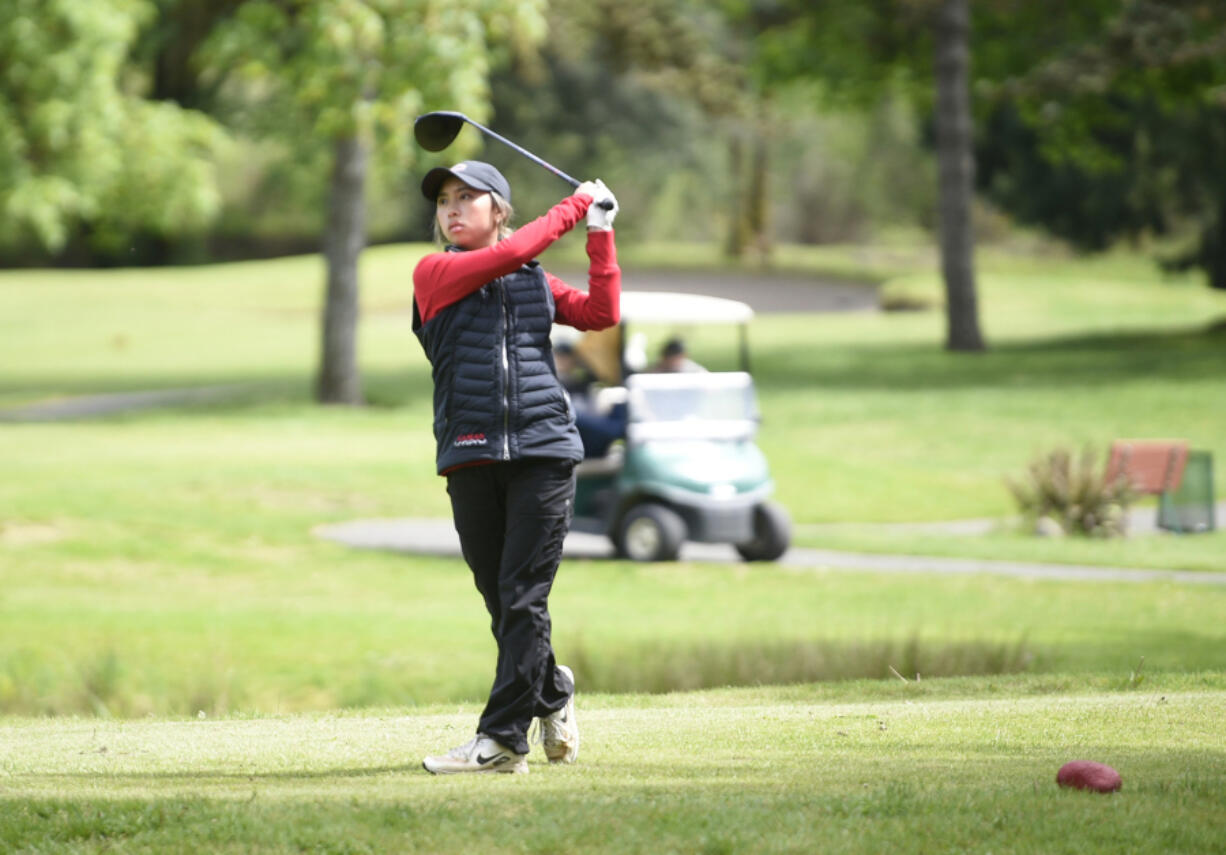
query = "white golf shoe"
x=560 y=731
x=479 y=754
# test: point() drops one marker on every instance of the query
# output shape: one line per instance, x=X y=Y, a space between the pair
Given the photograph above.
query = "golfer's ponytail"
x=503 y=208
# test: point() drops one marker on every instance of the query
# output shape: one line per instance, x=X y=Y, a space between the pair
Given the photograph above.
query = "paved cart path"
x=437 y=537
x=92 y=406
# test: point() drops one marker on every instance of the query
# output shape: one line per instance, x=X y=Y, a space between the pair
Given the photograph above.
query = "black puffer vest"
x=496 y=392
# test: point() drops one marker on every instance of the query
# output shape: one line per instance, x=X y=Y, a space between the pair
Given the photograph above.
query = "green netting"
x=1191 y=507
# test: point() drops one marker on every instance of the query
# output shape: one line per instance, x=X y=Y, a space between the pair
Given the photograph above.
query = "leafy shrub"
x=1075 y=494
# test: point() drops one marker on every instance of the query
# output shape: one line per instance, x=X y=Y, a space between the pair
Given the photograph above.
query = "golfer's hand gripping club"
x=604 y=205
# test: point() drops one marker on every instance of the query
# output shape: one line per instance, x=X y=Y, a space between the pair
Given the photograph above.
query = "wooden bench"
x=1152 y=466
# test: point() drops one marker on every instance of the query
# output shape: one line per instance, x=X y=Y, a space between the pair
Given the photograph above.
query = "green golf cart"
x=688 y=467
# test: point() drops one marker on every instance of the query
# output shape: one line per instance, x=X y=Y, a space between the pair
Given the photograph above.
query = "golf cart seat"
x=610 y=464
x=602 y=422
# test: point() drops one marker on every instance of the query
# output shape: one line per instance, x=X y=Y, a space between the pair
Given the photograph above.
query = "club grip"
x=607 y=204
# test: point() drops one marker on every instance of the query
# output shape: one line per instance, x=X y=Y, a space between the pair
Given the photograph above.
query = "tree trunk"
x=734 y=243
x=1213 y=247
x=957 y=166
x=338 y=381
x=758 y=212
x=181 y=28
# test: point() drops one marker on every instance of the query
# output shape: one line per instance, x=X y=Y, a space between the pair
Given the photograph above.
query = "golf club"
x=435 y=131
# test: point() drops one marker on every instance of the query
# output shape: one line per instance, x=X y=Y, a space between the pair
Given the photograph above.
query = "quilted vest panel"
x=496 y=391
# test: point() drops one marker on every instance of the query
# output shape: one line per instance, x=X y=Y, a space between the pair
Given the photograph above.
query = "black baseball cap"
x=475 y=173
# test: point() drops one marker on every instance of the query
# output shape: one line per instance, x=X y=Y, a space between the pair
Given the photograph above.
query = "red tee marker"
x=1088 y=775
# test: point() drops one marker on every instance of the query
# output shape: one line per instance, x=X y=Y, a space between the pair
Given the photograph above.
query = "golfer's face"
x=466 y=216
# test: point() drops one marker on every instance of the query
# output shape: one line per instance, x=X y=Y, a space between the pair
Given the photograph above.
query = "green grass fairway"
x=963 y=766
x=185 y=667
x=213 y=596
x=866 y=419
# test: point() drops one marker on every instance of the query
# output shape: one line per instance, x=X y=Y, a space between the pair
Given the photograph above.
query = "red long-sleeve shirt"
x=443 y=278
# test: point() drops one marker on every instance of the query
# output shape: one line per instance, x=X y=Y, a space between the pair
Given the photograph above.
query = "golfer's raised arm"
x=600 y=307
x=443 y=278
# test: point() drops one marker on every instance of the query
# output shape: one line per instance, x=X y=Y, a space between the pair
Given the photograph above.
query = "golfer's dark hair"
x=501 y=207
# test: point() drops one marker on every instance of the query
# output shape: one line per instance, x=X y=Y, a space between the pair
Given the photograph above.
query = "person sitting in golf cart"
x=675 y=360
x=574 y=374
x=597 y=429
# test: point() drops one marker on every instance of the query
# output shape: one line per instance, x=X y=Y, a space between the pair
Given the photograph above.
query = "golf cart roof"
x=647 y=307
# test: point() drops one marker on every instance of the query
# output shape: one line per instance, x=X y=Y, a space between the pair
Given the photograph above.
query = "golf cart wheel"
x=650 y=532
x=772 y=532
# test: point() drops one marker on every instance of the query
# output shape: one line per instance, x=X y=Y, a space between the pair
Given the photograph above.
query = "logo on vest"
x=471 y=439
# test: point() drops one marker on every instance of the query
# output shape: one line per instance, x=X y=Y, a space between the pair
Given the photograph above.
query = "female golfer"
x=506 y=435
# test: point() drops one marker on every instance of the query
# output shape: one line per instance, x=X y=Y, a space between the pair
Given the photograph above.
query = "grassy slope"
x=866 y=418
x=173 y=612
x=955 y=768
x=158 y=563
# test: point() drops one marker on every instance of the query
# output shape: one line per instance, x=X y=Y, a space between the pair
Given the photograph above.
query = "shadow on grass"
x=655 y=668
x=854 y=801
x=204 y=775
x=84 y=397
x=104 y=684
x=1196 y=354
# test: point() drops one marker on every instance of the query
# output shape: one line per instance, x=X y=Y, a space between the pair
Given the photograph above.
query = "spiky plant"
x=1075 y=493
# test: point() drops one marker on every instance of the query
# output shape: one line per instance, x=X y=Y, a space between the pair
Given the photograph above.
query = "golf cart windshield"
x=691 y=406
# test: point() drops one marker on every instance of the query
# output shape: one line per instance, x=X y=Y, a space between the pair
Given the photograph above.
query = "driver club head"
x=435 y=131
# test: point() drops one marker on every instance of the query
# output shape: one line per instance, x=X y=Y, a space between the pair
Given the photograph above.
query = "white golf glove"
x=598 y=217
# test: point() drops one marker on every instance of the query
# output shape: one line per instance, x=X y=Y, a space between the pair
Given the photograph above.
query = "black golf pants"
x=512 y=518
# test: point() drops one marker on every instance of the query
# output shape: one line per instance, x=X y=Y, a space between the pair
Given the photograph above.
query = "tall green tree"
x=347 y=77
x=956 y=166
x=694 y=51
x=1095 y=120
x=169 y=46
x=923 y=48
x=81 y=147
x=1120 y=133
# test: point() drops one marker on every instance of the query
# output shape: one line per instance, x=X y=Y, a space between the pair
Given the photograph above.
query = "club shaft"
x=532 y=157
x=607 y=204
